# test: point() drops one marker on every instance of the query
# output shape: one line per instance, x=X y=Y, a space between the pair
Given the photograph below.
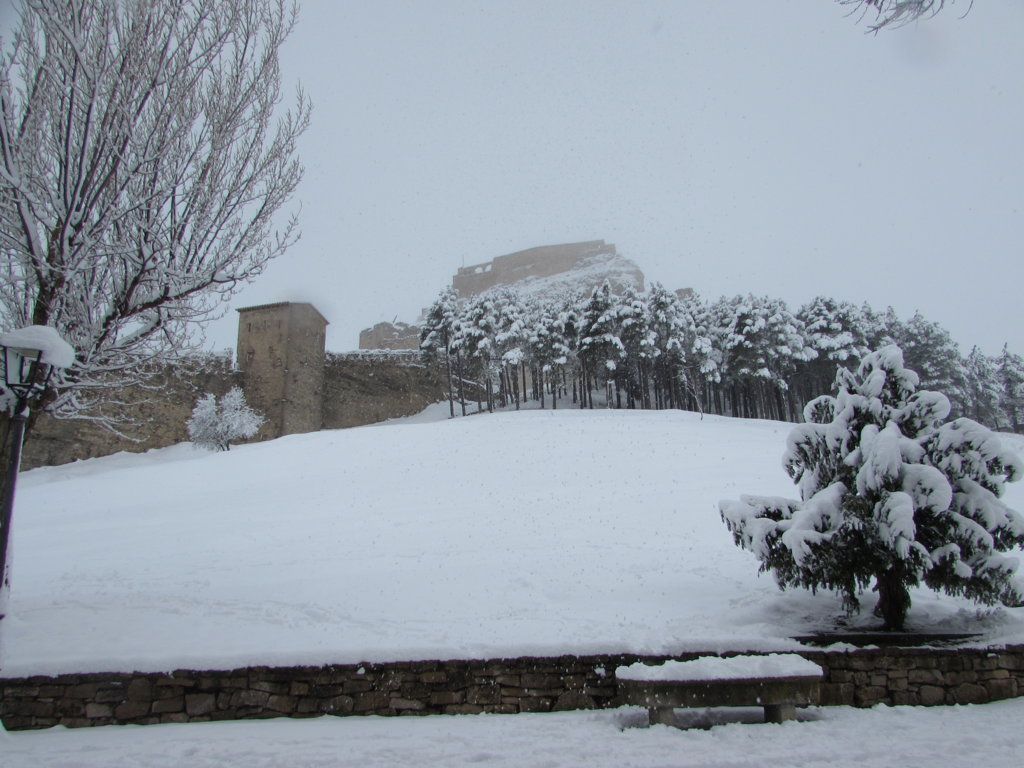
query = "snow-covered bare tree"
x=144 y=158
x=215 y=425
x=890 y=491
x=894 y=13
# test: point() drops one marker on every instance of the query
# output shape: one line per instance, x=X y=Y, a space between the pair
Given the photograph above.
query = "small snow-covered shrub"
x=215 y=425
x=890 y=491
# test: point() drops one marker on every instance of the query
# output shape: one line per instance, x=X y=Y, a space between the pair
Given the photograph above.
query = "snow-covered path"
x=837 y=737
x=510 y=534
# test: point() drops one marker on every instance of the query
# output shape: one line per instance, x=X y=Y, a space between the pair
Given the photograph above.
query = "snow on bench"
x=779 y=682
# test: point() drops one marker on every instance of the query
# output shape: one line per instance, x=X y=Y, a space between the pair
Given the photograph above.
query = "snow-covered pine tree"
x=703 y=369
x=436 y=336
x=214 y=425
x=509 y=342
x=475 y=340
x=639 y=347
x=1011 y=381
x=673 y=333
x=761 y=343
x=890 y=491
x=837 y=332
x=982 y=390
x=930 y=351
x=600 y=348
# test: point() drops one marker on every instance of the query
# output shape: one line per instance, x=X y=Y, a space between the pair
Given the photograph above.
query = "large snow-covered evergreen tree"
x=890 y=492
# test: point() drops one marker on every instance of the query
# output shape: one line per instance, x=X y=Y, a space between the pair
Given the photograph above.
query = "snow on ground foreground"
x=520 y=533
x=834 y=737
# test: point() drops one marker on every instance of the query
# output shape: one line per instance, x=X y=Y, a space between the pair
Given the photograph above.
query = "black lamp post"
x=29 y=357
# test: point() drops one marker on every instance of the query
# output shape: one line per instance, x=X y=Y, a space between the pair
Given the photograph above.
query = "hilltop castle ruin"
x=546 y=269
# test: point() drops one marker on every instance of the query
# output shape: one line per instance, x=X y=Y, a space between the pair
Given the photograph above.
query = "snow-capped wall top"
x=28 y=340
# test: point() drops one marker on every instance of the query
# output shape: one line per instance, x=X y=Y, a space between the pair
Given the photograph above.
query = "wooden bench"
x=778 y=682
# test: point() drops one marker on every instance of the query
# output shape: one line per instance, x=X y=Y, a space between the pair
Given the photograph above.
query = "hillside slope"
x=532 y=533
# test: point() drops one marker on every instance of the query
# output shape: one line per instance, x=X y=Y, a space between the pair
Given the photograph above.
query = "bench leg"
x=779 y=713
x=660 y=716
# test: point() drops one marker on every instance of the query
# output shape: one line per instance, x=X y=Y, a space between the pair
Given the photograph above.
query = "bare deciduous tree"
x=894 y=13
x=144 y=156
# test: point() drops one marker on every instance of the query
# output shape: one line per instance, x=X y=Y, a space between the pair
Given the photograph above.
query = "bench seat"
x=777 y=682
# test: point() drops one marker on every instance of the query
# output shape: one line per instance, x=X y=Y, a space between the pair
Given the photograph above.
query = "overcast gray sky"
x=732 y=147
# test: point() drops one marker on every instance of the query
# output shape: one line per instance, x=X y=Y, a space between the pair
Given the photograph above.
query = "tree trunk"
x=893 y=598
x=462 y=387
x=451 y=395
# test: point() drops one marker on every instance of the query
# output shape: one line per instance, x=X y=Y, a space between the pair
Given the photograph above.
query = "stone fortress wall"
x=285 y=374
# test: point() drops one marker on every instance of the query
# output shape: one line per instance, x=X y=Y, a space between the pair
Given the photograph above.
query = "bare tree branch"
x=894 y=13
x=144 y=159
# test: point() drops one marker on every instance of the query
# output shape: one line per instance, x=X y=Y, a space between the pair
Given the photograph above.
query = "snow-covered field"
x=837 y=737
x=521 y=533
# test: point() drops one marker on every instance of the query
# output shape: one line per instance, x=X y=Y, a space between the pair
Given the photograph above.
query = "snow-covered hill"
x=523 y=533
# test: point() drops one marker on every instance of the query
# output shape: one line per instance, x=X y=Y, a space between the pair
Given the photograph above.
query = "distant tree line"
x=747 y=356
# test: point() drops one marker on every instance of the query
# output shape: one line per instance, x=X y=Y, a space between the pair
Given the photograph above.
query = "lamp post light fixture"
x=29 y=357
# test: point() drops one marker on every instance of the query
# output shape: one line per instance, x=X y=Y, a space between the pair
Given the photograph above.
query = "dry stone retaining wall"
x=860 y=678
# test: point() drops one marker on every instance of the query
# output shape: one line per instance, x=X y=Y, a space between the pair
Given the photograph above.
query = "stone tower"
x=281 y=357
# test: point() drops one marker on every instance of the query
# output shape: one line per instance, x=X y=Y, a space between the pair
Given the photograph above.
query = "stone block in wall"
x=139 y=689
x=925 y=677
x=369 y=702
x=94 y=710
x=1012 y=662
x=442 y=698
x=1006 y=688
x=279 y=688
x=931 y=695
x=200 y=703
x=249 y=698
x=535 y=704
x=165 y=706
x=130 y=710
x=406 y=705
x=339 y=705
x=970 y=693
x=281 y=704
